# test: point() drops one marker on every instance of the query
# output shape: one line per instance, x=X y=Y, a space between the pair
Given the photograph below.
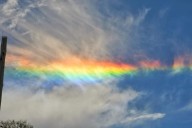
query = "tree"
x=14 y=124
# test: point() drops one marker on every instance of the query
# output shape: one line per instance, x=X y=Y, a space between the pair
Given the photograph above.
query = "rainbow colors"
x=78 y=69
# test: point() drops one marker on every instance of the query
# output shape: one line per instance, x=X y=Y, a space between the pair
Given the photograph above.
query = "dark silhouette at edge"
x=2 y=64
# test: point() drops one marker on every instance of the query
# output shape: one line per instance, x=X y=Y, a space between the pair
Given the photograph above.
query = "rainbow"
x=81 y=70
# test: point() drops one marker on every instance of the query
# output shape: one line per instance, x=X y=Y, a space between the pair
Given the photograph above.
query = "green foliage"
x=15 y=124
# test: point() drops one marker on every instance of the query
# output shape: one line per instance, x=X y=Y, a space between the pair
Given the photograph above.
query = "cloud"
x=72 y=107
x=146 y=117
x=49 y=30
x=54 y=28
x=187 y=107
x=163 y=12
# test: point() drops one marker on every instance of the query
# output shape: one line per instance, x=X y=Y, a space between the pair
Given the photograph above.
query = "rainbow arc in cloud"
x=82 y=70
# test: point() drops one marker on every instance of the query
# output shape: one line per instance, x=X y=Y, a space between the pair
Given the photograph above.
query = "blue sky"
x=125 y=31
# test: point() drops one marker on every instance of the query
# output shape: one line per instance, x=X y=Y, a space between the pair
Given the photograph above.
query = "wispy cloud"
x=58 y=29
x=187 y=107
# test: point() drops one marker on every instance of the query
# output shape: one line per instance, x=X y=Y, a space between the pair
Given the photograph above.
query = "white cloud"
x=44 y=29
x=72 y=107
x=145 y=117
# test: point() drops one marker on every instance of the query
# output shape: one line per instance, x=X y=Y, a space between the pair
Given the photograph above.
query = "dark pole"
x=2 y=64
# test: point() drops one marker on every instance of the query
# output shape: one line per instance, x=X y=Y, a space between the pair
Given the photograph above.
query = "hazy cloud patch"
x=72 y=107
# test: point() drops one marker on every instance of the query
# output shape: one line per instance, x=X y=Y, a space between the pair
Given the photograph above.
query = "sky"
x=98 y=64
